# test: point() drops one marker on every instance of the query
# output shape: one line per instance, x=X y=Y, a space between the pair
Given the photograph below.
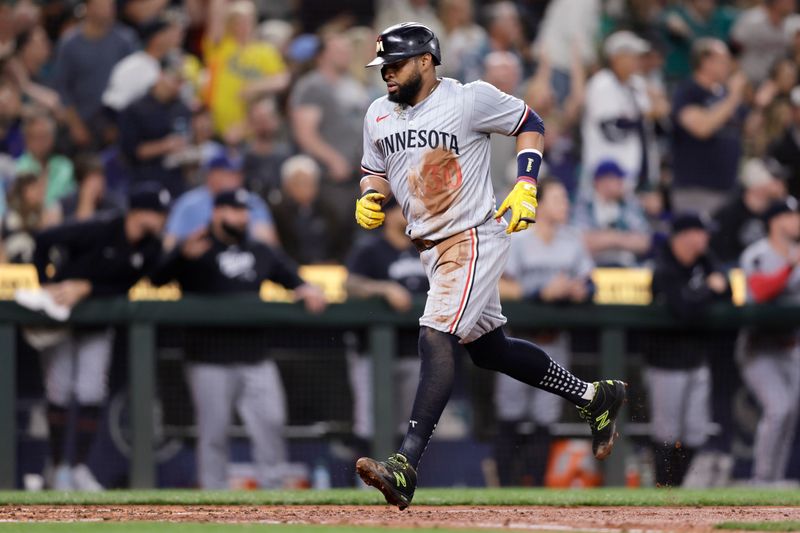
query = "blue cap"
x=608 y=169
x=225 y=162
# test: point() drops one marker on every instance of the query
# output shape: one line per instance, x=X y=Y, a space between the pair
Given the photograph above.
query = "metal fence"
x=143 y=320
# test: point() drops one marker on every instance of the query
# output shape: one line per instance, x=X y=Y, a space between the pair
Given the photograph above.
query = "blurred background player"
x=101 y=256
x=769 y=359
x=687 y=281
x=230 y=367
x=549 y=263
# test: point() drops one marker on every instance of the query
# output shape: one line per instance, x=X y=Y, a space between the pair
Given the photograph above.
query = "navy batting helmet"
x=405 y=40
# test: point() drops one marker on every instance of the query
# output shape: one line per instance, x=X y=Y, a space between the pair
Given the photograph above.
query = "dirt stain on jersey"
x=436 y=180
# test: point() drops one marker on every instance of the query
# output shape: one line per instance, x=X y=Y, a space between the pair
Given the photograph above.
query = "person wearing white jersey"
x=427 y=143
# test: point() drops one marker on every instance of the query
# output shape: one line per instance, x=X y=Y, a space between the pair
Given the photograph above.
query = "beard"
x=235 y=233
x=407 y=91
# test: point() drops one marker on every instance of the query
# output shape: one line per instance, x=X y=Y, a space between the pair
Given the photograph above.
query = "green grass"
x=443 y=497
x=761 y=526
x=163 y=527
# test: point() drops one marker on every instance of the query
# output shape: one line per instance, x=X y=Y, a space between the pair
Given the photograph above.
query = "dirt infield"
x=693 y=519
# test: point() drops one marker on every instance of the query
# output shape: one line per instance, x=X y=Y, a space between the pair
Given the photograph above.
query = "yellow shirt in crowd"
x=230 y=67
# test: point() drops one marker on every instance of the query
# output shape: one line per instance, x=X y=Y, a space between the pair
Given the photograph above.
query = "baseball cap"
x=233 y=198
x=779 y=207
x=625 y=41
x=149 y=197
x=688 y=221
x=608 y=169
x=224 y=162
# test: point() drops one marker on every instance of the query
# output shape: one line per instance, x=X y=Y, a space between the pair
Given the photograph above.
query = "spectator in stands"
x=558 y=272
x=12 y=142
x=504 y=71
x=505 y=33
x=612 y=221
x=231 y=367
x=706 y=141
x=91 y=199
x=771 y=110
x=264 y=152
x=686 y=281
x=769 y=359
x=39 y=131
x=562 y=151
x=23 y=218
x=306 y=222
x=684 y=23
x=326 y=110
x=85 y=57
x=134 y=75
x=27 y=68
x=619 y=112
x=192 y=211
x=740 y=223
x=242 y=69
x=155 y=134
x=385 y=266
x=394 y=11
x=460 y=34
x=760 y=32
x=569 y=32
x=103 y=256
x=786 y=150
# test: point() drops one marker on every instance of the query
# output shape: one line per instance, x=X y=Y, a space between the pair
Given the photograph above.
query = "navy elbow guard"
x=530 y=121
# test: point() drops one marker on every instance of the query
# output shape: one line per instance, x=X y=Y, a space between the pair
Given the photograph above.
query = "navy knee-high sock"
x=526 y=362
x=437 y=352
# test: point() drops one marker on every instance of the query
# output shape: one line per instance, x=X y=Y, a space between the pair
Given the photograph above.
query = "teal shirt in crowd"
x=676 y=62
x=60 y=176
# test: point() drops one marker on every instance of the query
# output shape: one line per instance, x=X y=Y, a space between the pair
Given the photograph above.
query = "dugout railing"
x=142 y=318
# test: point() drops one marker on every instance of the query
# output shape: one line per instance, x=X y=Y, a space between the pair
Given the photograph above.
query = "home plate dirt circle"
x=606 y=519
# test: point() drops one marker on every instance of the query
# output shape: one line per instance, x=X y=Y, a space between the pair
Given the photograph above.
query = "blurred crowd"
x=221 y=140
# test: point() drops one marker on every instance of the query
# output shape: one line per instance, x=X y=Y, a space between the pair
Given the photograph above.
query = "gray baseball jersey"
x=533 y=263
x=436 y=154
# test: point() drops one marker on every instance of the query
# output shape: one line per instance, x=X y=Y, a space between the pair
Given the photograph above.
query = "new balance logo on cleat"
x=601 y=414
x=400 y=479
x=602 y=420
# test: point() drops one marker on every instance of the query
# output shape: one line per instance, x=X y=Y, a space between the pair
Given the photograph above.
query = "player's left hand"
x=522 y=203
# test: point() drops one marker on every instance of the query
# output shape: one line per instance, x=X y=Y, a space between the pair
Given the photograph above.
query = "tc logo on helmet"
x=379 y=46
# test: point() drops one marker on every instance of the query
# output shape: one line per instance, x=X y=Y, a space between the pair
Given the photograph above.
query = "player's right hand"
x=369 y=213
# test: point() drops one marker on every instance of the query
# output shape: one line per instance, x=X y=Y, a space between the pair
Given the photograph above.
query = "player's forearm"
x=266 y=85
x=362 y=287
x=530 y=140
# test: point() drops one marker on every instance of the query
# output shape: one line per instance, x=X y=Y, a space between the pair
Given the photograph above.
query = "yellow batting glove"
x=369 y=214
x=522 y=203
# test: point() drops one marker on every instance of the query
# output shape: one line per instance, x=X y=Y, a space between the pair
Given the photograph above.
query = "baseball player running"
x=427 y=143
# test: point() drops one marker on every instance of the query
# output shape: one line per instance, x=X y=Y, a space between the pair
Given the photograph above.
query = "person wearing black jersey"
x=231 y=366
x=100 y=257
